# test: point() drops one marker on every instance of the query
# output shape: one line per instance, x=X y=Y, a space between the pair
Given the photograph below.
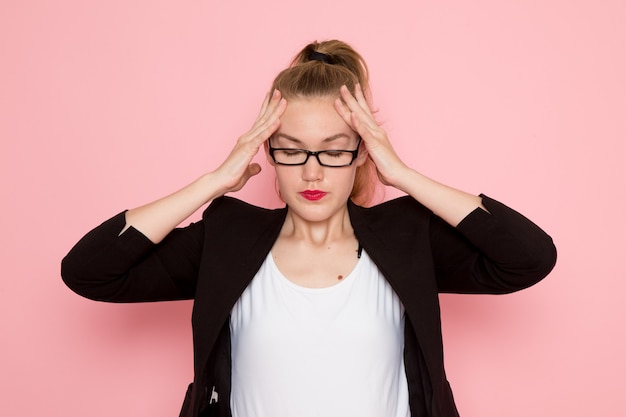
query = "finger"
x=358 y=106
x=361 y=110
x=266 y=101
x=362 y=99
x=270 y=109
x=356 y=101
x=272 y=121
x=273 y=102
x=250 y=171
x=370 y=101
x=364 y=129
x=271 y=96
x=264 y=128
x=347 y=102
x=253 y=169
x=343 y=111
x=352 y=120
x=270 y=102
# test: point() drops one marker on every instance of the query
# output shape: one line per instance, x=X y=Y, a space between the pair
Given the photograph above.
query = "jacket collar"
x=396 y=237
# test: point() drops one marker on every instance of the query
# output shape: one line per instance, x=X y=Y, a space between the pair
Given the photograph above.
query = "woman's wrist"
x=450 y=204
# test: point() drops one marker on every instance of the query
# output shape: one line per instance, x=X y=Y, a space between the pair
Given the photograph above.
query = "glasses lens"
x=289 y=156
x=335 y=158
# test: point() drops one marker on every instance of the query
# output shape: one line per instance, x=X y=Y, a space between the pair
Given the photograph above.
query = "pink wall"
x=106 y=105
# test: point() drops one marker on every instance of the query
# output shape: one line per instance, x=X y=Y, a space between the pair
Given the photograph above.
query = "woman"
x=324 y=307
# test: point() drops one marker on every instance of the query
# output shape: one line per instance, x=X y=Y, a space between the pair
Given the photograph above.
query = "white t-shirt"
x=318 y=352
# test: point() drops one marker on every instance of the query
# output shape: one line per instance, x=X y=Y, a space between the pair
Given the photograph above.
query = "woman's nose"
x=312 y=170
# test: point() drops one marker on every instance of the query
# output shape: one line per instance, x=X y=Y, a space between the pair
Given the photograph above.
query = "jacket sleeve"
x=107 y=266
x=494 y=252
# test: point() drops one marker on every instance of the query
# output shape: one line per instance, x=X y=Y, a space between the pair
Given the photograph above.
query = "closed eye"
x=291 y=152
x=334 y=154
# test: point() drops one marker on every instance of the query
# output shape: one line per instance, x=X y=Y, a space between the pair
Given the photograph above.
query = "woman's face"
x=312 y=191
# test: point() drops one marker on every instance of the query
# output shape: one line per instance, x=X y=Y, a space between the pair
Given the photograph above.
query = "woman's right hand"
x=155 y=220
x=238 y=167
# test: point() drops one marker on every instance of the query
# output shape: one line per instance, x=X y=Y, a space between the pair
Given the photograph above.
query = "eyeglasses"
x=333 y=158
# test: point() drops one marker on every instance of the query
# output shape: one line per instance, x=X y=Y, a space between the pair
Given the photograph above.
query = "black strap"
x=320 y=56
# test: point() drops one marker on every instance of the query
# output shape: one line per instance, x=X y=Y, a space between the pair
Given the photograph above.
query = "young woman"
x=324 y=307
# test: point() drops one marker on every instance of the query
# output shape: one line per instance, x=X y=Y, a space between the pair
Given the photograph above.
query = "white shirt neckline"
x=340 y=283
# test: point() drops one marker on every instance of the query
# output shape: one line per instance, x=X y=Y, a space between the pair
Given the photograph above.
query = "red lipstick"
x=313 y=195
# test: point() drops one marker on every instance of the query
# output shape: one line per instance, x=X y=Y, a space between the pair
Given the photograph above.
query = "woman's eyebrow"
x=328 y=139
x=288 y=137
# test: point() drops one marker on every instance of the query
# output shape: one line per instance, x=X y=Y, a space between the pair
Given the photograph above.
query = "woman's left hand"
x=448 y=203
x=357 y=113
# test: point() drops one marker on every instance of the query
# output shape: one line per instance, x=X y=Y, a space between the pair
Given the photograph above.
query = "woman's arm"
x=494 y=252
x=490 y=248
x=140 y=255
x=450 y=204
x=157 y=219
x=107 y=266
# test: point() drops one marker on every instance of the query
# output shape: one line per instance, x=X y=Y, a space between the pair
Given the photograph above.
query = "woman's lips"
x=313 y=195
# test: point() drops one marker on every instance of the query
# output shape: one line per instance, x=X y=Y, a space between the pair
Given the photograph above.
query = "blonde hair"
x=319 y=70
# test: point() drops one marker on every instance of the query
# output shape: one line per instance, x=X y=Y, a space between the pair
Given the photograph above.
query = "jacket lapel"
x=238 y=238
x=395 y=235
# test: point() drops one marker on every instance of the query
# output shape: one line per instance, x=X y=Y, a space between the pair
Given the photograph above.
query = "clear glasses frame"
x=316 y=154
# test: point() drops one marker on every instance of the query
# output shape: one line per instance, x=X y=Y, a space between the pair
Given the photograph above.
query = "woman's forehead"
x=313 y=119
x=339 y=137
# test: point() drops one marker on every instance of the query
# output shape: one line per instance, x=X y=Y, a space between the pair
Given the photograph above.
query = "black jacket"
x=212 y=261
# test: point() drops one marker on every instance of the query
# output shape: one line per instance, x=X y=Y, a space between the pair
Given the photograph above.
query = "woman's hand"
x=238 y=167
x=450 y=204
x=358 y=114
x=155 y=220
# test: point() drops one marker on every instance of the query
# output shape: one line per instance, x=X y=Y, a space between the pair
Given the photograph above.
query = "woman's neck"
x=335 y=228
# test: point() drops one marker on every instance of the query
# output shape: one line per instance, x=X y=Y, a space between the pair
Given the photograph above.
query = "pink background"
x=105 y=105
